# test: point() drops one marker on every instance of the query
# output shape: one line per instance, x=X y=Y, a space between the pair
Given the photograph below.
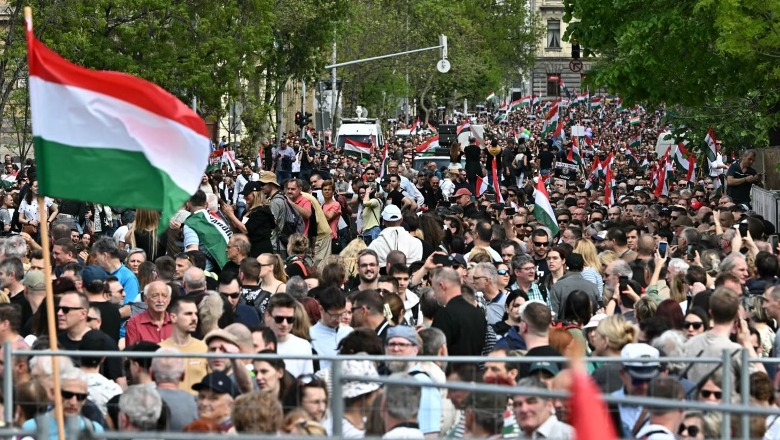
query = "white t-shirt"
x=29 y=211
x=121 y=234
x=296 y=346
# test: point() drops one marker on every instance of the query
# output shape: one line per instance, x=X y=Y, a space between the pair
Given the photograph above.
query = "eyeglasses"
x=542 y=244
x=694 y=325
x=707 y=393
x=477 y=278
x=693 y=430
x=281 y=319
x=398 y=345
x=384 y=292
x=503 y=272
x=66 y=310
x=231 y=295
x=67 y=395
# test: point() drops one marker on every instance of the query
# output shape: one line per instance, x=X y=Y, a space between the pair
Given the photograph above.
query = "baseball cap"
x=665 y=212
x=391 y=213
x=462 y=192
x=459 y=259
x=549 y=367
x=91 y=273
x=34 y=280
x=594 y=321
x=218 y=382
x=695 y=205
x=402 y=331
x=641 y=360
x=251 y=187
x=220 y=334
x=455 y=209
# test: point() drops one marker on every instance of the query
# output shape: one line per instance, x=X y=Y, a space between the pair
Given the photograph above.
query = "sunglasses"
x=280 y=319
x=542 y=244
x=66 y=310
x=693 y=430
x=694 y=325
x=67 y=395
x=233 y=295
x=707 y=393
x=91 y=318
x=503 y=272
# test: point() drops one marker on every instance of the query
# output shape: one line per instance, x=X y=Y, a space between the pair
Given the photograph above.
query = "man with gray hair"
x=194 y=281
x=297 y=287
x=140 y=407
x=536 y=416
x=167 y=373
x=736 y=265
x=664 y=423
x=14 y=246
x=399 y=409
x=486 y=284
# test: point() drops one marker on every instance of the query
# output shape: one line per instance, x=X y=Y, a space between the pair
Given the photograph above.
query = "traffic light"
x=575 y=50
x=306 y=119
x=299 y=119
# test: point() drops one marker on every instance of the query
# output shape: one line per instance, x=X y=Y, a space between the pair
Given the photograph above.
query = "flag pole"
x=44 y=232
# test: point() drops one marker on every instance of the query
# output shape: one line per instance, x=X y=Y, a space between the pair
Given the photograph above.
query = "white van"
x=360 y=130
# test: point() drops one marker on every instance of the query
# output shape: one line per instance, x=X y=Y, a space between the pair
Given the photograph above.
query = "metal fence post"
x=744 y=392
x=337 y=402
x=8 y=385
x=725 y=427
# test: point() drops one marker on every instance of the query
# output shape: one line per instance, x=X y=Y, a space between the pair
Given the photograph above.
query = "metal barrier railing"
x=766 y=203
x=337 y=403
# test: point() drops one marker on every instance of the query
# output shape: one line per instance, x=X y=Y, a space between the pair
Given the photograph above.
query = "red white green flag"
x=355 y=147
x=712 y=145
x=111 y=138
x=429 y=144
x=543 y=211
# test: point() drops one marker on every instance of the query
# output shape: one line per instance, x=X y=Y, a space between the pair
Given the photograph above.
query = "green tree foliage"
x=489 y=42
x=710 y=61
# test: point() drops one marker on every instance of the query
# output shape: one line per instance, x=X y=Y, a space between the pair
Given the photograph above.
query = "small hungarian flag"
x=543 y=211
x=228 y=157
x=99 y=133
x=432 y=128
x=497 y=184
x=429 y=144
x=609 y=196
x=522 y=102
x=595 y=102
x=415 y=127
x=491 y=96
x=384 y=161
x=481 y=186
x=309 y=136
x=354 y=147
x=635 y=141
x=574 y=153
x=215 y=160
x=712 y=145
x=634 y=120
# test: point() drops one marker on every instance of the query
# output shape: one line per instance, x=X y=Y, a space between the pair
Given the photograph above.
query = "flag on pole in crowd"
x=583 y=97
x=504 y=106
x=481 y=186
x=465 y=126
x=543 y=211
x=309 y=136
x=712 y=145
x=491 y=96
x=497 y=184
x=354 y=147
x=215 y=160
x=685 y=161
x=618 y=103
x=574 y=153
x=228 y=157
x=384 y=161
x=565 y=89
x=593 y=175
x=635 y=140
x=589 y=414
x=500 y=117
x=634 y=120
x=521 y=102
x=609 y=182
x=595 y=102
x=551 y=122
x=534 y=101
x=112 y=131
x=429 y=144
x=432 y=128
x=415 y=127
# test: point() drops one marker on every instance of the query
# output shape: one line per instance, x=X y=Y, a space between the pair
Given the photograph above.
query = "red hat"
x=695 y=205
x=462 y=192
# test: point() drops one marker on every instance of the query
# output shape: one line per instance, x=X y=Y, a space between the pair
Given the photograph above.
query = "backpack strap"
x=303 y=267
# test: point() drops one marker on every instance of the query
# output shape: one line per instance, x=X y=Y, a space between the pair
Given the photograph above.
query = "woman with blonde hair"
x=606 y=257
x=592 y=269
x=611 y=335
x=257 y=223
x=302 y=322
x=143 y=234
x=395 y=305
x=349 y=256
x=268 y=279
x=210 y=310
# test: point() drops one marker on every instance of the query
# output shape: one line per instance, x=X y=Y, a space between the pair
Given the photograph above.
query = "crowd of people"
x=310 y=251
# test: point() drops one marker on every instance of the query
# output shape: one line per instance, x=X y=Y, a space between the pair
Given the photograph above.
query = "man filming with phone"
x=740 y=178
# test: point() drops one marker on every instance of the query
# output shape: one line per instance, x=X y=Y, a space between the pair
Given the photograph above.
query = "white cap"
x=391 y=213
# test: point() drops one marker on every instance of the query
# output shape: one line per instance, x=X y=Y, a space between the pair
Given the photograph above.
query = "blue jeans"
x=240 y=208
x=371 y=234
x=281 y=176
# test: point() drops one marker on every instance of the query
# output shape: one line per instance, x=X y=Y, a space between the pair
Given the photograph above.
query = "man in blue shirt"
x=230 y=291
x=107 y=255
x=327 y=332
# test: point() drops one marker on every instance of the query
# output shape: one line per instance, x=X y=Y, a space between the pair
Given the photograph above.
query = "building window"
x=553 y=34
x=553 y=85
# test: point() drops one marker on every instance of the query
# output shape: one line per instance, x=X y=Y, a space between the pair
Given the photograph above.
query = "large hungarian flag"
x=415 y=127
x=609 y=196
x=481 y=186
x=429 y=144
x=465 y=126
x=355 y=147
x=543 y=211
x=574 y=153
x=111 y=138
x=685 y=162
